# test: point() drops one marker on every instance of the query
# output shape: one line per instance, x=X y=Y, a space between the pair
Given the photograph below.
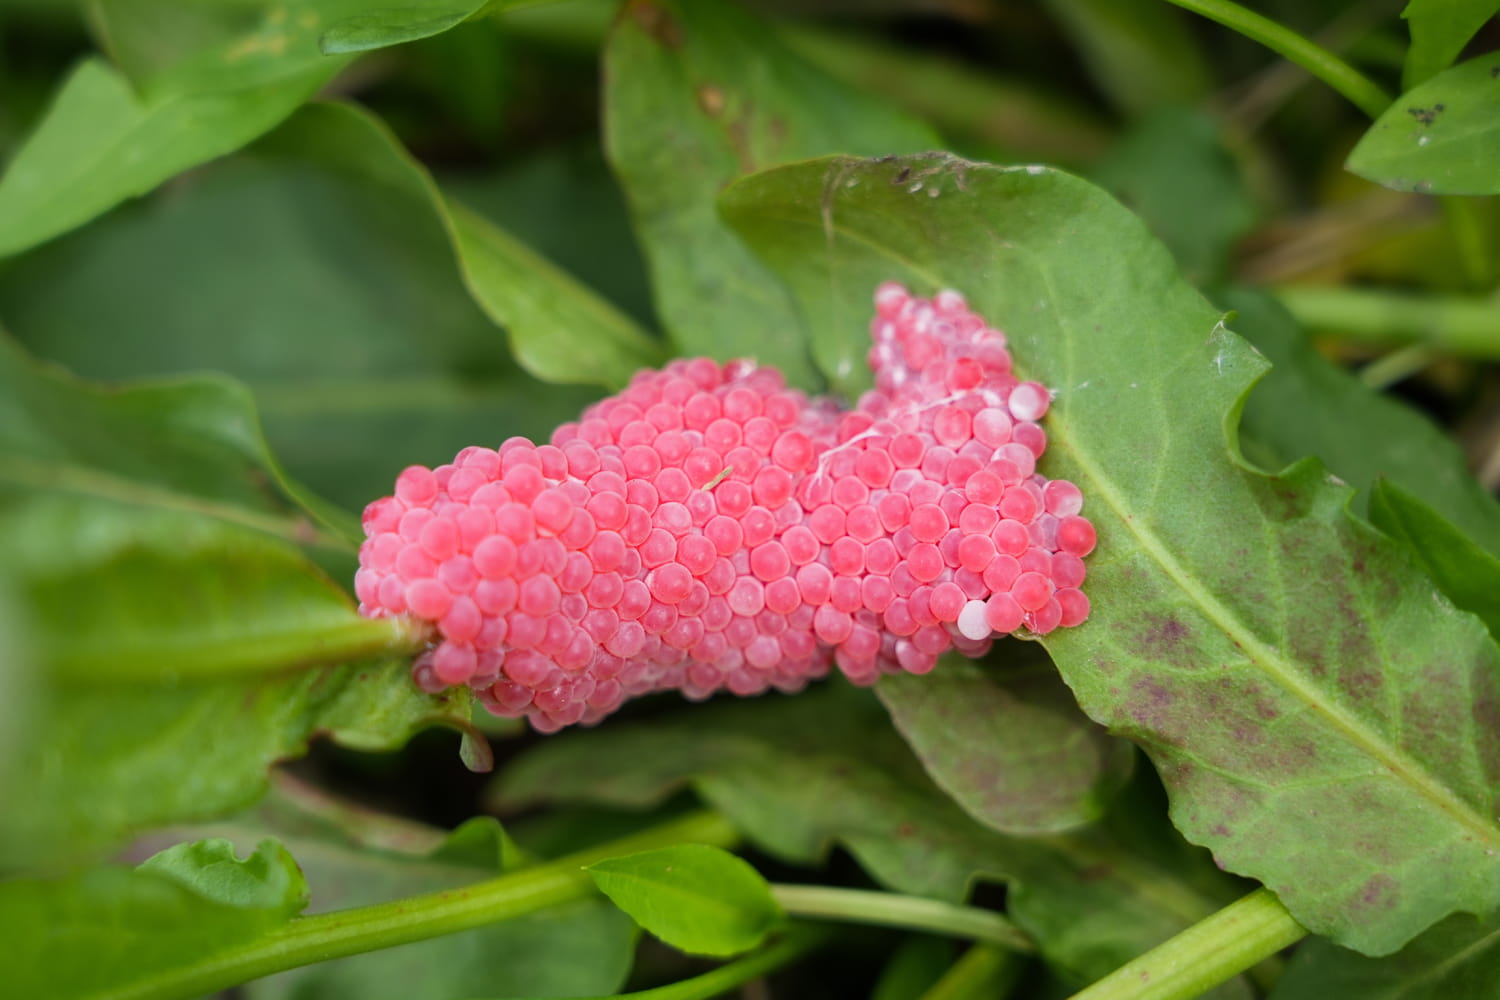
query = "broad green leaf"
x=1173 y=170
x=1306 y=405
x=399 y=367
x=1442 y=137
x=1458 y=957
x=1439 y=31
x=699 y=899
x=352 y=857
x=110 y=929
x=696 y=95
x=1007 y=742
x=181 y=643
x=1466 y=573
x=102 y=142
x=796 y=775
x=1139 y=53
x=1297 y=681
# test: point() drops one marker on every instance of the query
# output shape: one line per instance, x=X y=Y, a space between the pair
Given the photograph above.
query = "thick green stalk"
x=910 y=912
x=306 y=940
x=1464 y=325
x=1210 y=952
x=1362 y=92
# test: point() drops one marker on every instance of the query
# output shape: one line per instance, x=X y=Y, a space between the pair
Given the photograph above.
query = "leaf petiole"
x=1208 y=953
x=893 y=910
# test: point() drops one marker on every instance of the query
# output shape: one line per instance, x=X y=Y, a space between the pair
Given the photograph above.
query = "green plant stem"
x=306 y=940
x=1361 y=91
x=1464 y=325
x=1397 y=366
x=1203 y=956
x=793 y=945
x=984 y=973
x=1470 y=238
x=891 y=910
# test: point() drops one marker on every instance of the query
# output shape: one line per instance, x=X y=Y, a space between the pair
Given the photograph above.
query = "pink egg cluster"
x=710 y=528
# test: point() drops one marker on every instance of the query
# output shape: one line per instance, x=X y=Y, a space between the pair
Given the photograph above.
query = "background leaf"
x=397 y=366
x=697 y=95
x=1439 y=31
x=1008 y=743
x=698 y=899
x=103 y=141
x=1466 y=573
x=169 y=617
x=1306 y=405
x=1296 y=680
x=1441 y=137
x=135 y=923
x=1458 y=957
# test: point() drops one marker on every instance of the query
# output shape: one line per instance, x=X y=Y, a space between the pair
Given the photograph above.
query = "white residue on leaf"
x=1035 y=168
x=1423 y=140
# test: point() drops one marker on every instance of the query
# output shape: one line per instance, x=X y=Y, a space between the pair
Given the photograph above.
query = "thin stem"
x=1361 y=91
x=1470 y=238
x=1466 y=325
x=892 y=910
x=1397 y=366
x=306 y=940
x=1210 y=952
x=984 y=973
x=797 y=942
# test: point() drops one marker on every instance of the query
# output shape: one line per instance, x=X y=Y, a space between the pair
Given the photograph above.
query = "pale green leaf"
x=697 y=898
x=1442 y=137
x=1439 y=31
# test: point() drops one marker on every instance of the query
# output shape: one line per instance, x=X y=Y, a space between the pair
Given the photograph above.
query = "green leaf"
x=1306 y=405
x=1008 y=742
x=1442 y=137
x=352 y=857
x=102 y=142
x=110 y=929
x=796 y=775
x=1458 y=957
x=699 y=899
x=1297 y=681
x=697 y=95
x=1173 y=170
x=1439 y=31
x=181 y=644
x=396 y=25
x=1466 y=573
x=400 y=367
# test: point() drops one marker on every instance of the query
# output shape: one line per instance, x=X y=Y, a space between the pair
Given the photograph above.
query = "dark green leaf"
x=698 y=899
x=1466 y=573
x=1296 y=679
x=1173 y=170
x=399 y=367
x=797 y=774
x=1458 y=957
x=110 y=929
x=1443 y=137
x=1439 y=31
x=1306 y=405
x=1008 y=742
x=699 y=94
